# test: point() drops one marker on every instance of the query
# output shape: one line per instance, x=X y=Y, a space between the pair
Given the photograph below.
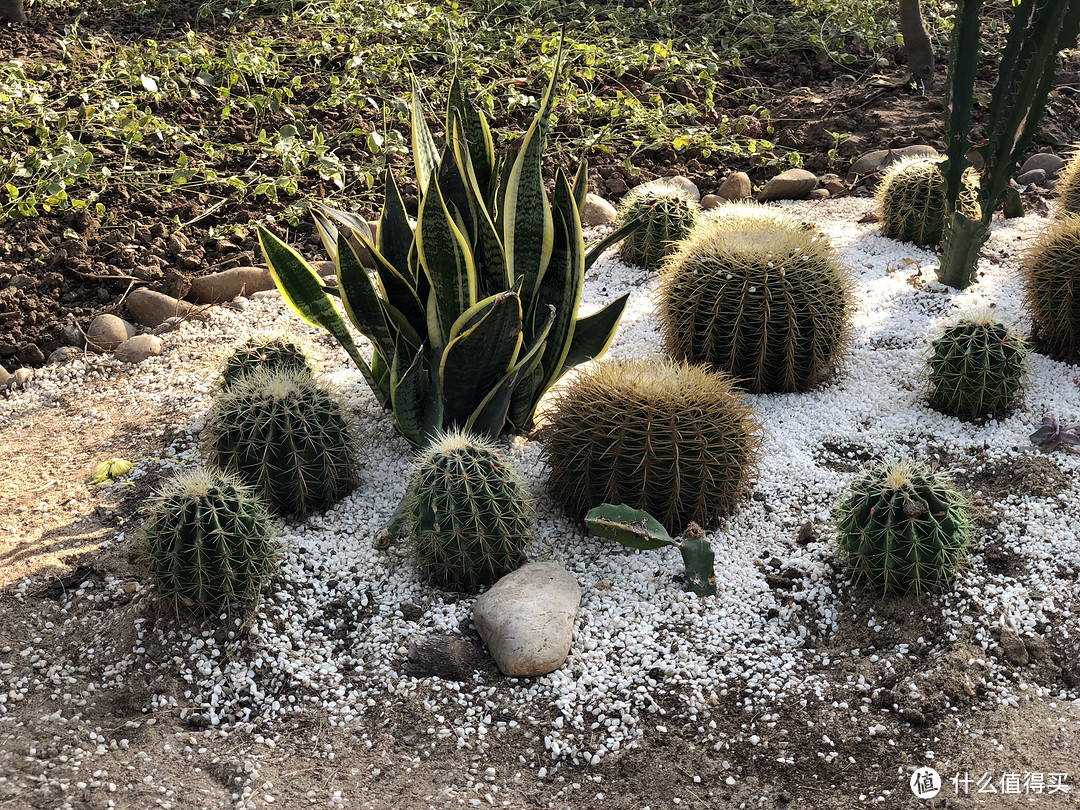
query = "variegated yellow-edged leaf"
x=476 y=132
x=425 y=153
x=593 y=334
x=410 y=395
x=488 y=255
x=360 y=297
x=581 y=185
x=446 y=260
x=394 y=236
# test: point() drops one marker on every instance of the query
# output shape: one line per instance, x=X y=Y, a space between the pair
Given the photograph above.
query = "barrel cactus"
x=976 y=368
x=262 y=351
x=1069 y=185
x=208 y=541
x=672 y=439
x=1052 y=282
x=912 y=198
x=666 y=213
x=466 y=512
x=753 y=293
x=903 y=529
x=286 y=436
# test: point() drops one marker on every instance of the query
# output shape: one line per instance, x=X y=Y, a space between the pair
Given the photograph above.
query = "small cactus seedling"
x=976 y=368
x=286 y=436
x=262 y=351
x=466 y=512
x=634 y=528
x=1069 y=185
x=208 y=541
x=666 y=215
x=1052 y=282
x=903 y=529
x=675 y=440
x=912 y=197
x=755 y=294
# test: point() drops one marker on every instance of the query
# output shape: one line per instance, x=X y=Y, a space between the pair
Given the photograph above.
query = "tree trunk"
x=920 y=55
x=12 y=11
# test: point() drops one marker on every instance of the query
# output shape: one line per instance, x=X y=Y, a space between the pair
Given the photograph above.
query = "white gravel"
x=331 y=636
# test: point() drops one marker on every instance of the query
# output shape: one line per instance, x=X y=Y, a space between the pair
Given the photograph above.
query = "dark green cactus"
x=912 y=198
x=666 y=213
x=286 y=436
x=208 y=541
x=754 y=294
x=634 y=528
x=672 y=439
x=466 y=512
x=977 y=368
x=903 y=529
x=262 y=351
x=1069 y=185
x=1052 y=288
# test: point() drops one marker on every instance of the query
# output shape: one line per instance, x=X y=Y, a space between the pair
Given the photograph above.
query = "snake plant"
x=472 y=310
x=1039 y=29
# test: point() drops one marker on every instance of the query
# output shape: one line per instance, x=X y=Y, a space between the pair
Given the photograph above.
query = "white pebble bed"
x=330 y=636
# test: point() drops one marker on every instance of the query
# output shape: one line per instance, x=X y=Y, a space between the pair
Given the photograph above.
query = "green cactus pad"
x=262 y=351
x=1052 y=288
x=912 y=198
x=466 y=512
x=208 y=541
x=674 y=440
x=1069 y=185
x=903 y=529
x=667 y=215
x=284 y=435
x=976 y=368
x=753 y=293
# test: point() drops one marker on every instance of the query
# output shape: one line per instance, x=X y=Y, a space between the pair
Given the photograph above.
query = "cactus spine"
x=754 y=294
x=466 y=512
x=667 y=215
x=672 y=439
x=262 y=351
x=1069 y=185
x=286 y=436
x=208 y=541
x=912 y=198
x=1052 y=282
x=903 y=529
x=976 y=368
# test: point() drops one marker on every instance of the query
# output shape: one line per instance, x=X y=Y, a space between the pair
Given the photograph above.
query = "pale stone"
x=597 y=211
x=106 y=332
x=138 y=348
x=736 y=186
x=880 y=159
x=794 y=184
x=527 y=619
x=20 y=378
x=1047 y=161
x=678 y=182
x=152 y=309
x=5 y=377
x=226 y=285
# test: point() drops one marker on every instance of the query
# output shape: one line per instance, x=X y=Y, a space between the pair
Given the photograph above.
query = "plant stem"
x=964 y=239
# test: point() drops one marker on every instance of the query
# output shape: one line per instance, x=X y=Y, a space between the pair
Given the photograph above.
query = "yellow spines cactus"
x=667 y=215
x=1052 y=288
x=912 y=199
x=1069 y=185
x=754 y=293
x=675 y=440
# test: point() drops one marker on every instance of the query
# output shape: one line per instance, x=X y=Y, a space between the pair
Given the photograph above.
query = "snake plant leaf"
x=632 y=528
x=699 y=559
x=410 y=390
x=490 y=261
x=304 y=293
x=446 y=260
x=494 y=411
x=581 y=185
x=380 y=372
x=394 y=236
x=596 y=249
x=483 y=347
x=456 y=195
x=328 y=232
x=425 y=153
x=396 y=290
x=527 y=223
x=360 y=297
x=476 y=133
x=593 y=334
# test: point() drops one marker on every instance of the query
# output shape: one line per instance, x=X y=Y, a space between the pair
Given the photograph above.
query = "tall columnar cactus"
x=912 y=199
x=666 y=215
x=284 y=434
x=1052 y=282
x=976 y=368
x=262 y=351
x=756 y=295
x=1069 y=185
x=672 y=439
x=467 y=513
x=903 y=529
x=208 y=541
